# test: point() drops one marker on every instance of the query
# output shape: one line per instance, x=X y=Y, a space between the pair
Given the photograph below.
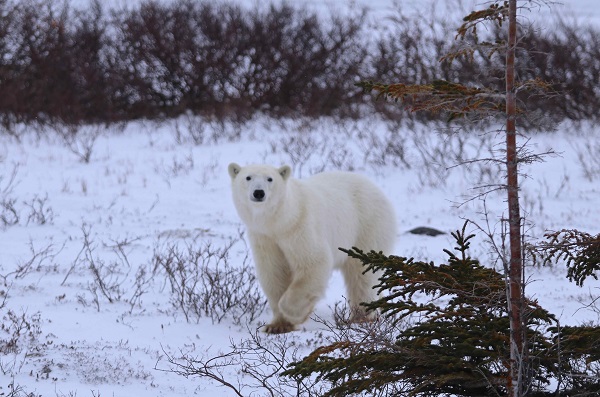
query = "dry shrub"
x=205 y=284
x=154 y=60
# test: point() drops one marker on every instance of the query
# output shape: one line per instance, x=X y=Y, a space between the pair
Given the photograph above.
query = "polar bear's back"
x=352 y=209
x=337 y=186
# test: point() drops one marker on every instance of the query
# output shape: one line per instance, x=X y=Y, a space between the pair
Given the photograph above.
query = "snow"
x=144 y=188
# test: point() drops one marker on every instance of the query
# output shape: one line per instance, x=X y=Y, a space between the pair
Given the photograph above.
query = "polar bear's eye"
x=270 y=179
x=248 y=178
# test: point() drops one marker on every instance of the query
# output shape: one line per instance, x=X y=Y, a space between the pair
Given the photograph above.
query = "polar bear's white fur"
x=295 y=227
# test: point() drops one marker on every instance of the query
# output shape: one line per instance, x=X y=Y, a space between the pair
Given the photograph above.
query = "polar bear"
x=295 y=227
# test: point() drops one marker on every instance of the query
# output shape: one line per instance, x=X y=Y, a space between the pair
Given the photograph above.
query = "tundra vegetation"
x=199 y=74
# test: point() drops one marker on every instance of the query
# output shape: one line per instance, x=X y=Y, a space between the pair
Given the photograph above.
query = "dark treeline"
x=154 y=60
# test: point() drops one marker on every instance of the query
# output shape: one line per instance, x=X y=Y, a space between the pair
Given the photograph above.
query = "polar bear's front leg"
x=274 y=276
x=308 y=286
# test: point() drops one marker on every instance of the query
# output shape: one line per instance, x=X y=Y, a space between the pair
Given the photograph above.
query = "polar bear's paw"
x=279 y=327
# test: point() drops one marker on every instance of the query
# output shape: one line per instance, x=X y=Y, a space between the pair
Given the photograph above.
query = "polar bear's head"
x=258 y=186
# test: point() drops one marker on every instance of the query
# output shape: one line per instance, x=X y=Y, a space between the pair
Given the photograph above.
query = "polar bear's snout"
x=258 y=195
x=258 y=190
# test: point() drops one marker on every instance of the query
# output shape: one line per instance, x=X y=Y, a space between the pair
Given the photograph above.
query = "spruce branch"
x=455 y=334
x=579 y=250
x=495 y=12
x=439 y=96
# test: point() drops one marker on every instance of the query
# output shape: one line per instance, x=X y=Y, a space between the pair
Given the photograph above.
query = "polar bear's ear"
x=285 y=172
x=234 y=169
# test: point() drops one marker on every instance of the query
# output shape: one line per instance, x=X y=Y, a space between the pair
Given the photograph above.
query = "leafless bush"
x=159 y=60
x=39 y=212
x=143 y=276
x=320 y=144
x=199 y=130
x=204 y=283
x=54 y=54
x=313 y=82
x=181 y=166
x=408 y=51
x=19 y=333
x=254 y=366
x=390 y=149
x=166 y=59
x=187 y=131
x=178 y=166
x=588 y=158
x=439 y=153
x=336 y=155
x=209 y=171
x=333 y=143
x=299 y=147
x=567 y=57
x=16 y=328
x=9 y=215
x=379 y=332
x=141 y=284
x=80 y=140
x=251 y=366
x=108 y=279
x=36 y=262
x=15 y=130
x=111 y=278
x=16 y=390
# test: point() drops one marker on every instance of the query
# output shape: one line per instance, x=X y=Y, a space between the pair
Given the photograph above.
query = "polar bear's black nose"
x=259 y=194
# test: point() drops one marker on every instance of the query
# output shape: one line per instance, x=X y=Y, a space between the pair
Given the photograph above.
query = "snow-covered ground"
x=148 y=188
x=142 y=192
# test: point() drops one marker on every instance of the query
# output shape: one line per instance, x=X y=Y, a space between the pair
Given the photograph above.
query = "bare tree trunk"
x=515 y=281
